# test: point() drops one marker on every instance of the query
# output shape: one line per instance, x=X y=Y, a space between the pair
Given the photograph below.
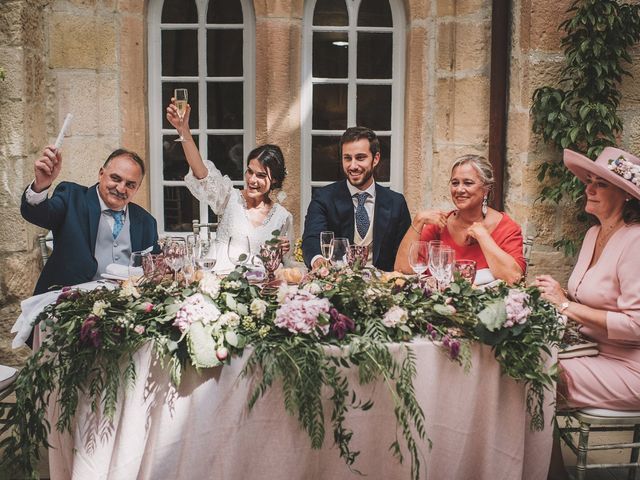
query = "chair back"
x=527 y=248
x=210 y=228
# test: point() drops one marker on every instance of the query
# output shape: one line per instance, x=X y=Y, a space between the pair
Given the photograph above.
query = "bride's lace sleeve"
x=214 y=189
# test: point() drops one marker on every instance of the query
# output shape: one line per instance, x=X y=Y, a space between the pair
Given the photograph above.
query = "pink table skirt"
x=477 y=422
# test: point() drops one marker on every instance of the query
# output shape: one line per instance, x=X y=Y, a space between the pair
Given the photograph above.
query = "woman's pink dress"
x=611 y=379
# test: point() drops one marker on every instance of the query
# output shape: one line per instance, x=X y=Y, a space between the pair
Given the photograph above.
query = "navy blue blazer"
x=331 y=208
x=72 y=213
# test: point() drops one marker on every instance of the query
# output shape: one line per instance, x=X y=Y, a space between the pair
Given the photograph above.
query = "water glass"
x=175 y=254
x=339 y=251
x=205 y=254
x=441 y=260
x=418 y=256
x=326 y=245
x=466 y=269
x=141 y=265
x=358 y=255
x=239 y=250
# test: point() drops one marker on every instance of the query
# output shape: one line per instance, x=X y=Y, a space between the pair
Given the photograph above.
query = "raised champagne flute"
x=181 y=99
x=326 y=244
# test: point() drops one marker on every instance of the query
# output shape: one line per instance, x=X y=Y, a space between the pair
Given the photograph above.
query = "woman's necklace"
x=606 y=233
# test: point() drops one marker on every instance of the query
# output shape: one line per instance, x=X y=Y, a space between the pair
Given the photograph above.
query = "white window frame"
x=397 y=82
x=157 y=104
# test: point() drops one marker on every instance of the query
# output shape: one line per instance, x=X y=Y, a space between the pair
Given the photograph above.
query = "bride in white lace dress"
x=248 y=212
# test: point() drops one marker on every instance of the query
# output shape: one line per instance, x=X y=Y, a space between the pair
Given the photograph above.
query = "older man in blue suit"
x=357 y=208
x=92 y=226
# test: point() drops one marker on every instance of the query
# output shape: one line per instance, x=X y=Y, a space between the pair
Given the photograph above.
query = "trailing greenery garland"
x=581 y=113
x=303 y=336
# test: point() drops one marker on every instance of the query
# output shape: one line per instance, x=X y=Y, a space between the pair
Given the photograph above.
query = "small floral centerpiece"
x=90 y=339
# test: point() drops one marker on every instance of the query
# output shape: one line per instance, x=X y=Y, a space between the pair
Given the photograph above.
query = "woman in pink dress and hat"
x=603 y=293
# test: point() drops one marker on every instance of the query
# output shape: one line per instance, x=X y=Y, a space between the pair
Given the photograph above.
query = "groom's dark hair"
x=353 y=134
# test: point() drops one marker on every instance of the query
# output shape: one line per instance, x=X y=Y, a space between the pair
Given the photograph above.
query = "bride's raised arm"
x=204 y=180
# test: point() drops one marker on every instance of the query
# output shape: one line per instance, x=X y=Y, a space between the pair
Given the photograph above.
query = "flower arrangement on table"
x=91 y=338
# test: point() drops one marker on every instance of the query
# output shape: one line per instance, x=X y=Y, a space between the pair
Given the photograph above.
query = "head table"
x=477 y=422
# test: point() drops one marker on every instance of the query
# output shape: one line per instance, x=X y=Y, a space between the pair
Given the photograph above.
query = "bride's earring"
x=484 y=206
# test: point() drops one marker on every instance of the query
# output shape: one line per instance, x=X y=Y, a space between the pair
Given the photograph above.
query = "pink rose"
x=139 y=329
x=148 y=306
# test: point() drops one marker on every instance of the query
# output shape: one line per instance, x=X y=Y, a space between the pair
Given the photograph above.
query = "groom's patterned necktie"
x=362 y=217
x=118 y=217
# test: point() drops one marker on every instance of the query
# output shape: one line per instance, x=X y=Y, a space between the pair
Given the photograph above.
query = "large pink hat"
x=613 y=165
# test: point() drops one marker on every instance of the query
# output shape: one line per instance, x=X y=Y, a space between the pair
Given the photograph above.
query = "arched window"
x=352 y=74
x=206 y=46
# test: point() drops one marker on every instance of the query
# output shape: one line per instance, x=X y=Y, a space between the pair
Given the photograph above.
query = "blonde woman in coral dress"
x=604 y=288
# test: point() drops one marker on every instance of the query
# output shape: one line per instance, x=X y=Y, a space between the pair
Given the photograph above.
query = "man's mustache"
x=121 y=196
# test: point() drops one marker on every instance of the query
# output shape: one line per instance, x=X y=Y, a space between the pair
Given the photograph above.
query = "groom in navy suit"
x=357 y=208
x=92 y=226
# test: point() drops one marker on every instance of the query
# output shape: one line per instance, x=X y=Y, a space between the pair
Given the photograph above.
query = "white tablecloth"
x=476 y=420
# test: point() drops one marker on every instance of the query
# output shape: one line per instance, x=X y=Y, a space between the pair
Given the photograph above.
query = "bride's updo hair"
x=270 y=156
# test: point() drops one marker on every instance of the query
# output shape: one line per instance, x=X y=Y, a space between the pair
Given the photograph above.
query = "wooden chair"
x=527 y=248
x=602 y=420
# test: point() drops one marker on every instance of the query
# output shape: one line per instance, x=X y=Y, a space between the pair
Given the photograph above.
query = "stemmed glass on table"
x=205 y=253
x=174 y=251
x=339 y=251
x=181 y=99
x=326 y=245
x=141 y=266
x=418 y=257
x=441 y=258
x=239 y=250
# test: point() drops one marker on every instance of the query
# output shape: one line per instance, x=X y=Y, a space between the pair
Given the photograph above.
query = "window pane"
x=167 y=93
x=330 y=12
x=224 y=53
x=227 y=153
x=330 y=60
x=179 y=11
x=224 y=11
x=373 y=106
x=383 y=169
x=329 y=107
x=375 y=52
x=175 y=165
x=375 y=13
x=224 y=105
x=180 y=208
x=179 y=52
x=325 y=159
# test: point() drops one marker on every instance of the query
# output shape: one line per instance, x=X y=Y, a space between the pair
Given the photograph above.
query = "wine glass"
x=466 y=269
x=205 y=254
x=141 y=266
x=175 y=253
x=181 y=99
x=326 y=245
x=339 y=250
x=441 y=258
x=239 y=250
x=418 y=257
